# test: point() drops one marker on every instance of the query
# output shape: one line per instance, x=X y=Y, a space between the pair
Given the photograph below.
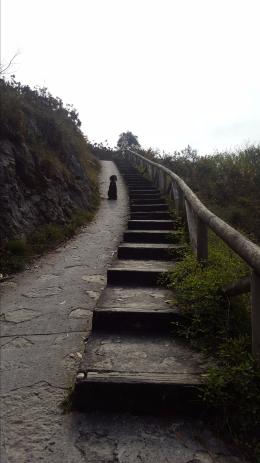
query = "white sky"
x=174 y=72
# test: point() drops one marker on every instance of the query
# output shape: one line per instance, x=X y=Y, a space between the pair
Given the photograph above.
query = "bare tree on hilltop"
x=128 y=140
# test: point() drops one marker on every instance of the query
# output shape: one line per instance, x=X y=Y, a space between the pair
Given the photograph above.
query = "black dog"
x=112 y=191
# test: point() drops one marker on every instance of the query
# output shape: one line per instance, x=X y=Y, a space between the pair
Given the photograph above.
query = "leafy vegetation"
x=16 y=254
x=50 y=152
x=128 y=139
x=220 y=327
x=227 y=183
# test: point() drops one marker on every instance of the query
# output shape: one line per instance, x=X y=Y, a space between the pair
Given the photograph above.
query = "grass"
x=220 y=327
x=17 y=254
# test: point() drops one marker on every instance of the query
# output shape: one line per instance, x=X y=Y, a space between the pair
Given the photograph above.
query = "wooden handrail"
x=199 y=218
x=245 y=248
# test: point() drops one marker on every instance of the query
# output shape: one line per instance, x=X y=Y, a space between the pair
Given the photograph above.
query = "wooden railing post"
x=255 y=314
x=202 y=240
x=198 y=232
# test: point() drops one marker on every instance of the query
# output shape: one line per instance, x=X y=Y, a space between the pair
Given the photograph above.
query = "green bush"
x=232 y=392
x=208 y=313
x=221 y=328
x=227 y=182
x=46 y=238
x=17 y=247
x=16 y=254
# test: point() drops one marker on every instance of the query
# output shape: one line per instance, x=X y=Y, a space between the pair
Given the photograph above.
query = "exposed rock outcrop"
x=47 y=171
x=36 y=191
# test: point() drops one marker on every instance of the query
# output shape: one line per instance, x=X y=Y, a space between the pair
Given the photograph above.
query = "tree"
x=128 y=140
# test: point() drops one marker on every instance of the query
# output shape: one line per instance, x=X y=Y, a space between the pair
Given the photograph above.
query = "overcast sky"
x=174 y=72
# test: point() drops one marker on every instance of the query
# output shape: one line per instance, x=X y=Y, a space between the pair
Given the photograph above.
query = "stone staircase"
x=132 y=360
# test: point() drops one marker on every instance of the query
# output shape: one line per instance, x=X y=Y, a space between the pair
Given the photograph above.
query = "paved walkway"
x=46 y=315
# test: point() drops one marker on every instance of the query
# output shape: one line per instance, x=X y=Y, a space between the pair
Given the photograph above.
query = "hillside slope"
x=47 y=172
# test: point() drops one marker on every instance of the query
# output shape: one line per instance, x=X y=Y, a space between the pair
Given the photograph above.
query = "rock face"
x=37 y=189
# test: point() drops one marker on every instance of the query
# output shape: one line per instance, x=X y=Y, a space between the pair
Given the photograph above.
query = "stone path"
x=46 y=315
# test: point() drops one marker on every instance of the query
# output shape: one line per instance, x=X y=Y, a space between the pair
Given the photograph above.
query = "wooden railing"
x=199 y=219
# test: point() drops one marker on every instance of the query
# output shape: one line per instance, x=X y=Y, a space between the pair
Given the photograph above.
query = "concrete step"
x=144 y=193
x=152 y=215
x=137 y=272
x=139 y=309
x=137 y=372
x=148 y=207
x=150 y=224
x=150 y=236
x=139 y=182
x=139 y=185
x=135 y=178
x=127 y=172
x=130 y=175
x=155 y=251
x=145 y=200
x=142 y=188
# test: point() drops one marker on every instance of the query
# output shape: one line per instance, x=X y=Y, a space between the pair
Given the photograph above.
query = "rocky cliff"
x=46 y=169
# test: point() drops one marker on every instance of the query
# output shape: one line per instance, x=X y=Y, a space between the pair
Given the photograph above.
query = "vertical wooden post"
x=150 y=172
x=202 y=240
x=255 y=314
x=161 y=181
x=181 y=205
x=165 y=183
x=192 y=226
x=157 y=178
x=198 y=232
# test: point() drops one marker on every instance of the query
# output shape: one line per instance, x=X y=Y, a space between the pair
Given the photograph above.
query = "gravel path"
x=46 y=315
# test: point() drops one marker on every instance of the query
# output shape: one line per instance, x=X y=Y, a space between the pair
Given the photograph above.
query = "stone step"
x=142 y=199
x=148 y=207
x=137 y=272
x=150 y=224
x=137 y=372
x=135 y=178
x=145 y=200
x=143 y=309
x=139 y=182
x=144 y=193
x=142 y=188
x=151 y=236
x=131 y=175
x=127 y=172
x=155 y=251
x=152 y=215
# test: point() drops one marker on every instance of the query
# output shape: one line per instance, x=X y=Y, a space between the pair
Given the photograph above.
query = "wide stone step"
x=144 y=193
x=139 y=182
x=150 y=215
x=142 y=308
x=144 y=200
x=139 y=186
x=134 y=188
x=160 y=251
x=148 y=207
x=137 y=272
x=150 y=224
x=133 y=178
x=137 y=372
x=151 y=236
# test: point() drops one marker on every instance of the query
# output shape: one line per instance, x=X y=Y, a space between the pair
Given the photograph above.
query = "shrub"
x=17 y=247
x=220 y=327
x=208 y=313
